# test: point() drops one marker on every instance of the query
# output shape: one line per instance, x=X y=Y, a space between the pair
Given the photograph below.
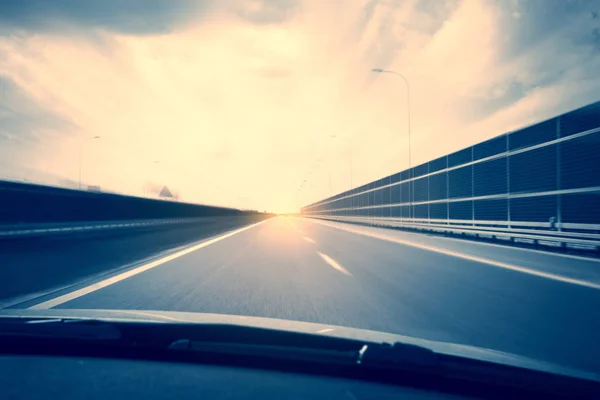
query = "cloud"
x=122 y=16
x=19 y=113
x=26 y=124
x=274 y=72
x=536 y=21
x=134 y=17
x=241 y=98
x=560 y=58
x=266 y=11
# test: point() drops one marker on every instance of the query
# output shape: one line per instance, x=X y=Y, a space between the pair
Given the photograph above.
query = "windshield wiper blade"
x=408 y=358
x=280 y=352
x=59 y=328
x=264 y=348
x=398 y=354
x=368 y=355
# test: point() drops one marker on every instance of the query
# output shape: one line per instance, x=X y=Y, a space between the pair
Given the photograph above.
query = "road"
x=535 y=304
x=33 y=266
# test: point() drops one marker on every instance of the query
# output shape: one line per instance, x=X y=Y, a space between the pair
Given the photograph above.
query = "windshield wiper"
x=59 y=328
x=381 y=355
x=273 y=349
x=301 y=354
x=398 y=354
x=399 y=362
x=234 y=341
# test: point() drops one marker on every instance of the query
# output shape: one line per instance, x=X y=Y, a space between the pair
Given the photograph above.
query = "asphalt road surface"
x=33 y=266
x=535 y=304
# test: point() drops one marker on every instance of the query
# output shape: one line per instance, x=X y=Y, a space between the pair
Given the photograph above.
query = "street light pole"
x=80 y=151
x=411 y=196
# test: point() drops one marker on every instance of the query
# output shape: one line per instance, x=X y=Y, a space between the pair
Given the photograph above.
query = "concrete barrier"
x=26 y=203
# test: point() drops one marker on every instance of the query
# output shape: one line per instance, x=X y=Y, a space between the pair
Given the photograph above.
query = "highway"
x=540 y=305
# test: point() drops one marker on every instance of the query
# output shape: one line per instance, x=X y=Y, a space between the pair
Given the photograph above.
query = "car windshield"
x=423 y=168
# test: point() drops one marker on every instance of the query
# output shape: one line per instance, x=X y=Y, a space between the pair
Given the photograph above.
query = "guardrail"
x=29 y=210
x=31 y=230
x=544 y=238
x=38 y=204
x=546 y=174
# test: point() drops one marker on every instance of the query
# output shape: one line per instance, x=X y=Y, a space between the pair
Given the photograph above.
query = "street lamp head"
x=96 y=137
x=377 y=70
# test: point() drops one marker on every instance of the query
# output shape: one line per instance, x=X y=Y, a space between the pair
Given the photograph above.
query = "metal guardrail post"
x=558 y=178
x=508 y=179
x=390 y=189
x=472 y=186
x=447 y=192
x=428 y=194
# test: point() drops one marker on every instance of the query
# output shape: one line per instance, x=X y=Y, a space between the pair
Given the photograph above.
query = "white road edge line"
x=547 y=253
x=334 y=264
x=107 y=282
x=468 y=257
x=309 y=240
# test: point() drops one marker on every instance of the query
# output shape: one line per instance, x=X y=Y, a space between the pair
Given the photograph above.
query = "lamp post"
x=380 y=71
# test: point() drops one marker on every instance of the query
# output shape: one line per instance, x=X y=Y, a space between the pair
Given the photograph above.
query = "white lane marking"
x=334 y=264
x=325 y=330
x=107 y=282
x=309 y=240
x=468 y=257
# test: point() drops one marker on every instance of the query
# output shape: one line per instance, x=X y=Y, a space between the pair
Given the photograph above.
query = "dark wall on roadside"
x=29 y=203
x=547 y=170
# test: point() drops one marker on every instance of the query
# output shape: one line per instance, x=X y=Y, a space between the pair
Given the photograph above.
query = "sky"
x=238 y=102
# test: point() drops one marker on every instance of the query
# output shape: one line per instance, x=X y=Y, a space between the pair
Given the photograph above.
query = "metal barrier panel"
x=29 y=203
x=546 y=173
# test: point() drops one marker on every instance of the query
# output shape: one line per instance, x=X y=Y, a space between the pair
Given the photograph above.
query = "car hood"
x=447 y=348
